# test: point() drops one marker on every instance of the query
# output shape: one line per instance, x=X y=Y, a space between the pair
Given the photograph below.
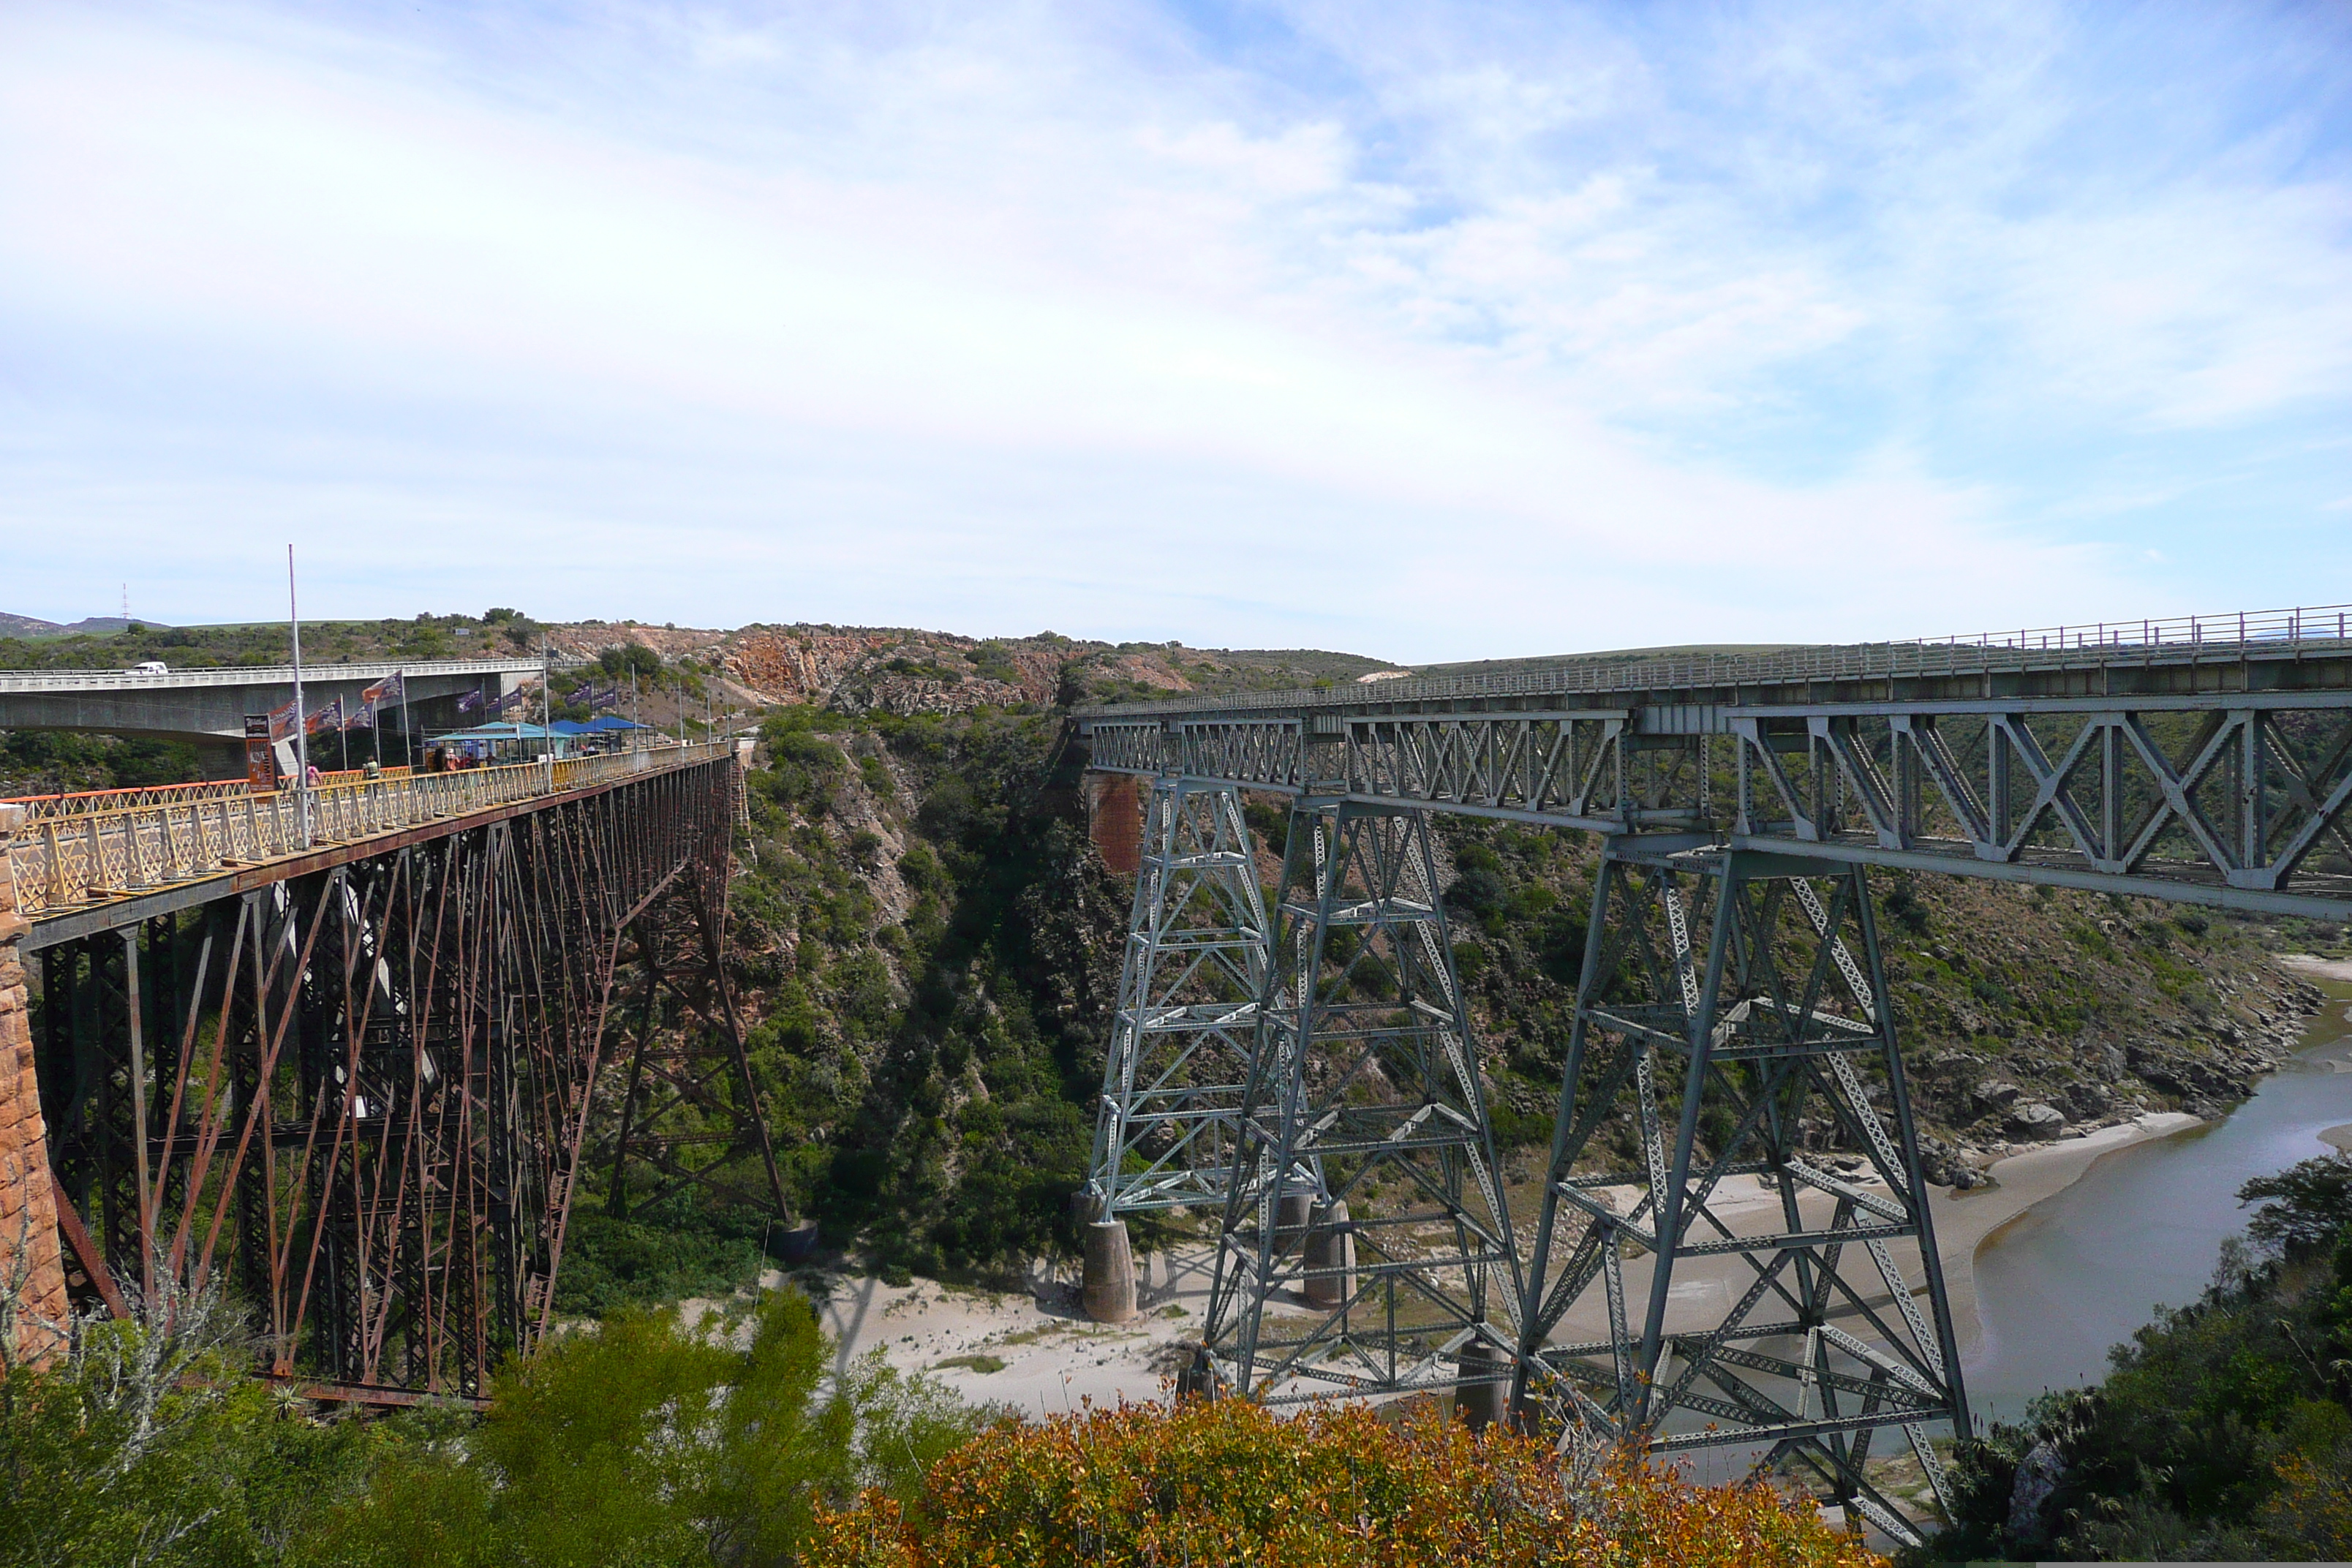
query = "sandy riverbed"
x=1052 y=1357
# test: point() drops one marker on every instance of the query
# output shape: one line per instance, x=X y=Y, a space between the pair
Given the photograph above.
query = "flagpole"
x=546 y=712
x=301 y=728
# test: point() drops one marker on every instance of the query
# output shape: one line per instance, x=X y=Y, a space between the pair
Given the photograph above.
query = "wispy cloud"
x=1443 y=334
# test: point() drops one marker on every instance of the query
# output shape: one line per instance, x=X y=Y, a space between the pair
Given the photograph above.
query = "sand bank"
x=1052 y=1357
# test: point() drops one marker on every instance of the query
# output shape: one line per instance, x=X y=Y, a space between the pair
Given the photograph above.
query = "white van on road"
x=152 y=667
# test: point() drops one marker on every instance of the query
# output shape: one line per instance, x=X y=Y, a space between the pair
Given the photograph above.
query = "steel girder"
x=1363 y=1090
x=1734 y=1246
x=2237 y=799
x=688 y=1103
x=359 y=1094
x=1196 y=968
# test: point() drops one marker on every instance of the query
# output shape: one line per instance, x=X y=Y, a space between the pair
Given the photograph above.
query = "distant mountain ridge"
x=34 y=626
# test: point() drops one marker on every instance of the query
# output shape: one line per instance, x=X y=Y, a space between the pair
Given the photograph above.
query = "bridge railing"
x=118 y=844
x=2179 y=640
x=28 y=680
x=79 y=803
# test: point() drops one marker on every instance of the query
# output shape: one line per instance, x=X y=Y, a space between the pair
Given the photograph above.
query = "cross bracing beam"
x=2233 y=798
x=1363 y=1094
x=1784 y=1174
x=357 y=1081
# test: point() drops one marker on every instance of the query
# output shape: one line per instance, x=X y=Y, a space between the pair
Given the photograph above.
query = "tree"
x=647 y=1441
x=2309 y=1206
x=1332 y=1487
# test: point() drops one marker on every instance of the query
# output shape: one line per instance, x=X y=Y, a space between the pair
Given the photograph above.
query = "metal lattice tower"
x=1366 y=1243
x=1734 y=1126
x=1196 y=964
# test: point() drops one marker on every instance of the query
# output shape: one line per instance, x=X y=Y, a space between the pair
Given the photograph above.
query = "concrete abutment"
x=1110 y=1294
x=32 y=1267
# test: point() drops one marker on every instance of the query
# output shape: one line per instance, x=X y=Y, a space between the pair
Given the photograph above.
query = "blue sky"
x=1430 y=332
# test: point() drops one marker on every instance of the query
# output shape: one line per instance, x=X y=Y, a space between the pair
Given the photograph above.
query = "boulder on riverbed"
x=2035 y=1121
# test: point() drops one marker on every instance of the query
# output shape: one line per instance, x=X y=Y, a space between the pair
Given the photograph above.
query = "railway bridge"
x=1731 y=1243
x=339 y=1050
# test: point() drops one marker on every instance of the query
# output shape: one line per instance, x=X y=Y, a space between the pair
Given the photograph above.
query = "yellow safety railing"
x=118 y=844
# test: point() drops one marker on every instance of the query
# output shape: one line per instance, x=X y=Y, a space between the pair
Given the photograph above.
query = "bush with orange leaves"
x=1229 y=1482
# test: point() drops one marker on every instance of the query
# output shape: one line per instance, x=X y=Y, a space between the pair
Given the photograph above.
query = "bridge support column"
x=1364 y=1091
x=1734 y=1116
x=1109 y=1283
x=1114 y=816
x=32 y=1269
x=1197 y=956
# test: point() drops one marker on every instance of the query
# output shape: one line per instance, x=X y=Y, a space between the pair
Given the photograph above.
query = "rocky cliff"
x=857 y=669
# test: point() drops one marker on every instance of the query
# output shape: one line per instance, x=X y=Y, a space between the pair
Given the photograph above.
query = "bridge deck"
x=23 y=681
x=86 y=862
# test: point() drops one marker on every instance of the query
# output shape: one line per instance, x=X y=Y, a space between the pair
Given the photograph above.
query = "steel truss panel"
x=361 y=1092
x=1363 y=1090
x=2228 y=799
x=1196 y=966
x=1729 y=1029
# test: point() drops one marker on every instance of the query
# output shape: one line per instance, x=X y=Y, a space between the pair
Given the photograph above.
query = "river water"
x=2080 y=1270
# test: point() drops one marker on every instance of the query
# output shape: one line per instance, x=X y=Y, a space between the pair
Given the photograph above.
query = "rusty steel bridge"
x=340 y=1053
x=1732 y=1245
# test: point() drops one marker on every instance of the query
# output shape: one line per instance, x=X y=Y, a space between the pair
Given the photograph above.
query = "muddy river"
x=2080 y=1270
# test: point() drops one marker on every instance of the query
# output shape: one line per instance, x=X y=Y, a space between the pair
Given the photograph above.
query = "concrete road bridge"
x=1731 y=1245
x=207 y=707
x=340 y=1048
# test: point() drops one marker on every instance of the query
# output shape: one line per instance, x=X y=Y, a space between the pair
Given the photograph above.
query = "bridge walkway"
x=72 y=859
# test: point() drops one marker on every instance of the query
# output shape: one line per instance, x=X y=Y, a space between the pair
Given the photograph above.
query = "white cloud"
x=1008 y=319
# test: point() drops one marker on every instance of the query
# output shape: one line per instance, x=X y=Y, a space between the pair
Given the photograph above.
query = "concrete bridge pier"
x=1480 y=1404
x=1331 y=1245
x=1109 y=1282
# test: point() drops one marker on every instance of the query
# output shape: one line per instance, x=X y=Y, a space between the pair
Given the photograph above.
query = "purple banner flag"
x=281 y=721
x=330 y=717
x=468 y=702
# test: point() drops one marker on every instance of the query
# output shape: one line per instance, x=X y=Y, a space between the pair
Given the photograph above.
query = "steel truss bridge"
x=1732 y=1245
x=352 y=1068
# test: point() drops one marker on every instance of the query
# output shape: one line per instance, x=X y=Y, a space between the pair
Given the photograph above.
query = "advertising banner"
x=261 y=760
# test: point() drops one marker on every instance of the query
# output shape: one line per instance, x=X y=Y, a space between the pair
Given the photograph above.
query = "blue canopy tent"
x=506 y=742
